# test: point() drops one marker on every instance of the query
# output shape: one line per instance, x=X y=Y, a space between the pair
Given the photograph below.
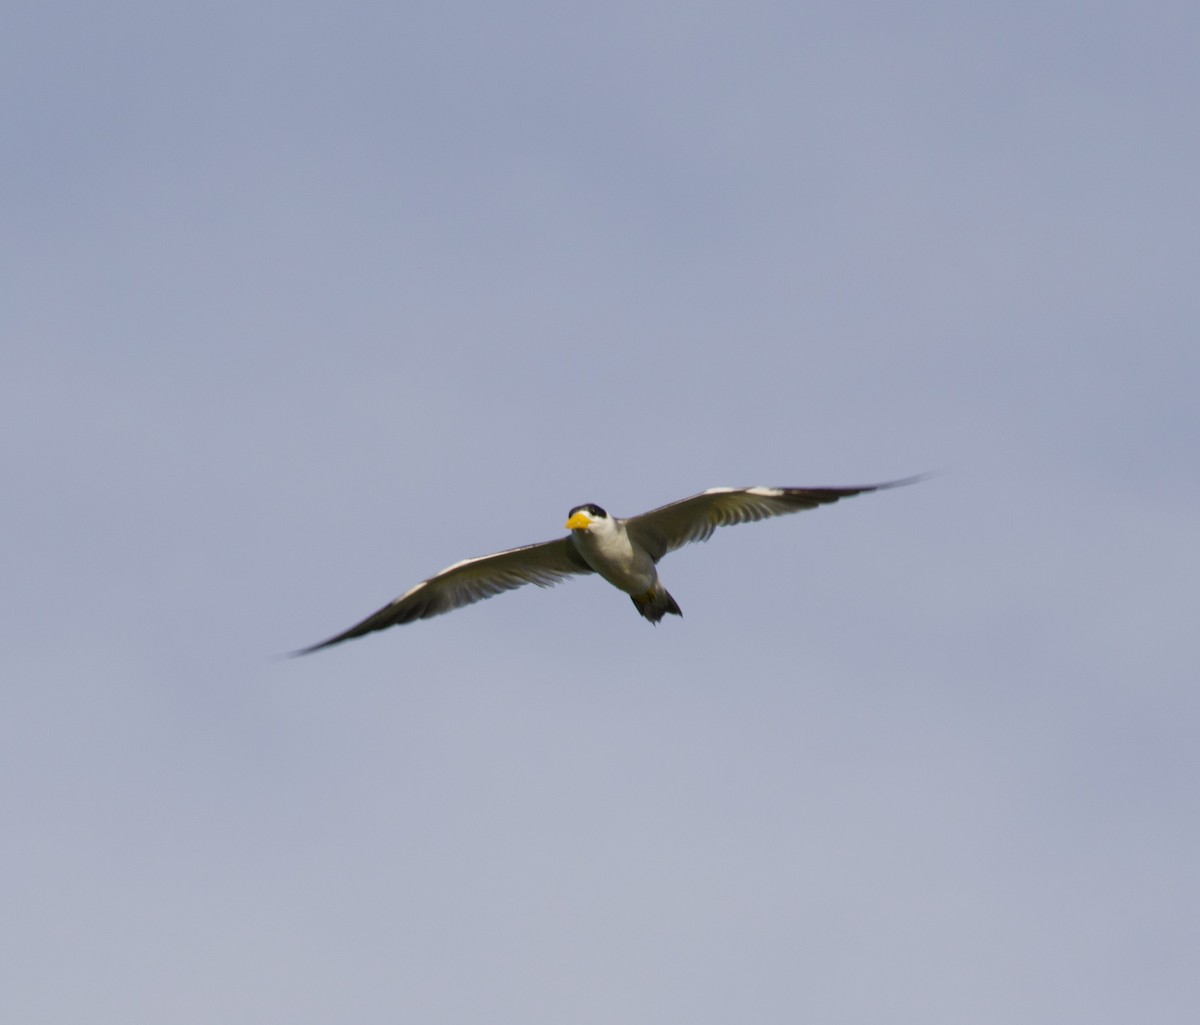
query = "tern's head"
x=583 y=516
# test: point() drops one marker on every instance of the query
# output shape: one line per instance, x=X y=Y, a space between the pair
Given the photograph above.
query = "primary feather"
x=470 y=581
x=672 y=526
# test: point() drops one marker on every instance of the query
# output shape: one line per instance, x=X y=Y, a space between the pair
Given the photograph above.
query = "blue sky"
x=302 y=303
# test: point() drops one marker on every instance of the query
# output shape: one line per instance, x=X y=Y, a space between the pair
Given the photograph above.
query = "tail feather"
x=655 y=604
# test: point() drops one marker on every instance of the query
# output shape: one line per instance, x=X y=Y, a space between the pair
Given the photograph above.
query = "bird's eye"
x=596 y=511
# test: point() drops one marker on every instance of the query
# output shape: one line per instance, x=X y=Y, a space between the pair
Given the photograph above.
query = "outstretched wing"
x=470 y=581
x=672 y=526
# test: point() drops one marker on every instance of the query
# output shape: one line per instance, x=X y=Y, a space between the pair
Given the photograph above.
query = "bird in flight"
x=625 y=552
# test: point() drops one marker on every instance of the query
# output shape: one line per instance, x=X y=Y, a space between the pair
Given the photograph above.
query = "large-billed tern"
x=625 y=552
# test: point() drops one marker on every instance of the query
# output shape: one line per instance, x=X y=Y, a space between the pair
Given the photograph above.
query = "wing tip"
x=904 y=482
x=300 y=652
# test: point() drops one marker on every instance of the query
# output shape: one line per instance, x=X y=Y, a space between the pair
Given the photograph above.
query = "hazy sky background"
x=302 y=302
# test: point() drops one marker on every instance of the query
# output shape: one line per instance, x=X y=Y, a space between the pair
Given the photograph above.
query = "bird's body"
x=625 y=552
x=606 y=547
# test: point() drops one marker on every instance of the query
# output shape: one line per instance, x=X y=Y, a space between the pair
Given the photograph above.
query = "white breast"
x=607 y=549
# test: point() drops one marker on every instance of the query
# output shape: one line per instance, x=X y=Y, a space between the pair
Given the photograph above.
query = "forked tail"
x=655 y=604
